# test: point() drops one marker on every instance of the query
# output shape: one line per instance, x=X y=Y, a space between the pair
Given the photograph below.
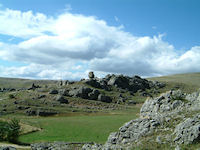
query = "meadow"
x=80 y=127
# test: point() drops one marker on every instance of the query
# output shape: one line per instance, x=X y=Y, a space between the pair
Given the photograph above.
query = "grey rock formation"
x=132 y=131
x=62 y=99
x=40 y=112
x=188 y=131
x=53 y=91
x=94 y=94
x=165 y=103
x=91 y=75
x=104 y=98
x=7 y=148
x=56 y=146
x=80 y=92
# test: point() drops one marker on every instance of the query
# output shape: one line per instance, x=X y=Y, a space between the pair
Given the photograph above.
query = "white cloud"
x=66 y=45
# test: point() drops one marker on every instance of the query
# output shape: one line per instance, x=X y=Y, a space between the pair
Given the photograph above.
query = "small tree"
x=13 y=130
x=9 y=131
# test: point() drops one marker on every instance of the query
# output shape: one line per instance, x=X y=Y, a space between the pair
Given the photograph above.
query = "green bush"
x=9 y=131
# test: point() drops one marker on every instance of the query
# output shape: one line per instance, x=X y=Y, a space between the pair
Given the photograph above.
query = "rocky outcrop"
x=104 y=98
x=188 y=131
x=132 y=131
x=91 y=75
x=7 y=148
x=80 y=92
x=56 y=146
x=54 y=91
x=88 y=93
x=155 y=117
x=40 y=112
x=132 y=84
x=164 y=104
x=62 y=99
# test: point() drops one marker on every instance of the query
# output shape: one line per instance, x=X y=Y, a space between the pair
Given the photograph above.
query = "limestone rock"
x=53 y=91
x=91 y=75
x=62 y=99
x=104 y=98
x=188 y=132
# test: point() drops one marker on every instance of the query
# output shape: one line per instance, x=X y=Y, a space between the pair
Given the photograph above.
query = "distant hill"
x=188 y=82
x=19 y=83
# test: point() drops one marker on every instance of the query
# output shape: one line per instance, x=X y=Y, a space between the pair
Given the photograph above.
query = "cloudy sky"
x=65 y=39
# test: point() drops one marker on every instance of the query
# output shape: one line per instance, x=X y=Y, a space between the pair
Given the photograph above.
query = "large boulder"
x=91 y=75
x=104 y=98
x=93 y=95
x=54 y=91
x=80 y=92
x=62 y=99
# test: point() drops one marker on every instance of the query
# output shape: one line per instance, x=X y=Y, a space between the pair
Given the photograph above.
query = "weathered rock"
x=94 y=95
x=80 y=92
x=188 y=132
x=7 y=148
x=91 y=75
x=62 y=99
x=64 y=92
x=92 y=147
x=104 y=98
x=56 y=146
x=164 y=103
x=53 y=91
x=40 y=112
x=41 y=96
x=132 y=131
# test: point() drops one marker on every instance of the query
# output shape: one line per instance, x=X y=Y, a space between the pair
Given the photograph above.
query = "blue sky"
x=144 y=37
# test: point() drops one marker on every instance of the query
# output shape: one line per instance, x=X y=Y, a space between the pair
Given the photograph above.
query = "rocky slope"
x=172 y=119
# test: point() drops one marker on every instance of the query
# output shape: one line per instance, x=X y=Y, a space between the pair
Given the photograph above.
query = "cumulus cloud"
x=72 y=44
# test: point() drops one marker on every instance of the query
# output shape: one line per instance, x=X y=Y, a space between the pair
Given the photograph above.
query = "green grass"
x=76 y=128
x=189 y=82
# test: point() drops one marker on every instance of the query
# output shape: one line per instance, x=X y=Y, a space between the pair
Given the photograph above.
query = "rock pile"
x=132 y=84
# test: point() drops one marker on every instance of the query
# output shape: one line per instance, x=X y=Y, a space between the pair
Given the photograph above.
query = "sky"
x=65 y=39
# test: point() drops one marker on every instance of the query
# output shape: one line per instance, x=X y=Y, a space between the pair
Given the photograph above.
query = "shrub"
x=9 y=131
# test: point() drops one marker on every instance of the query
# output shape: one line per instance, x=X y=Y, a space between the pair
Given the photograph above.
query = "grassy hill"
x=188 y=82
x=22 y=83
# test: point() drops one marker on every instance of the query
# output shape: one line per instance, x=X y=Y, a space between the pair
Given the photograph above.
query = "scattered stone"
x=40 y=112
x=62 y=99
x=53 y=91
x=41 y=96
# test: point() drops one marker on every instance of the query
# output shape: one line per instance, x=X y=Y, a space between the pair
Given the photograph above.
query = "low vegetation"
x=9 y=131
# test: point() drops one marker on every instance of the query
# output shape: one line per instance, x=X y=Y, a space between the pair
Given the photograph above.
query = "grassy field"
x=76 y=127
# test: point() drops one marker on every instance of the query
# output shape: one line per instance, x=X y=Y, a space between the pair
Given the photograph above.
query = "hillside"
x=188 y=82
x=90 y=109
